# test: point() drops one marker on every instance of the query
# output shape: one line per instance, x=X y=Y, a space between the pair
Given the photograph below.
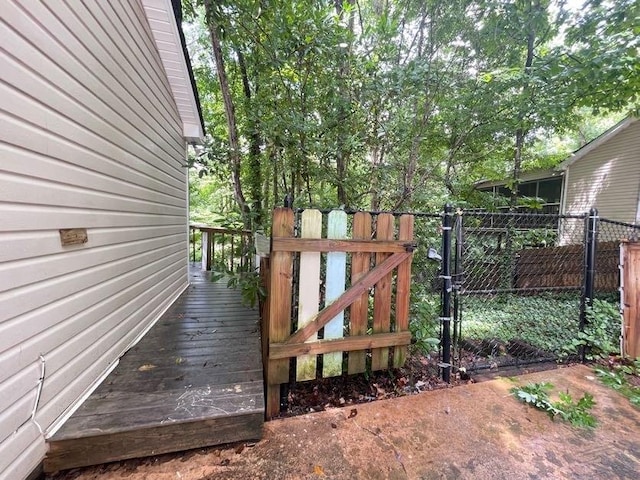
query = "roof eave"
x=596 y=142
x=165 y=17
x=525 y=177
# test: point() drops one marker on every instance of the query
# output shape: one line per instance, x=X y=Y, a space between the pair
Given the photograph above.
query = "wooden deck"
x=194 y=380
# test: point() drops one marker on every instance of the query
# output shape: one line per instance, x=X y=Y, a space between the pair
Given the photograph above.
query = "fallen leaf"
x=380 y=391
x=146 y=367
x=353 y=413
x=179 y=360
x=239 y=449
x=225 y=462
x=318 y=470
x=333 y=425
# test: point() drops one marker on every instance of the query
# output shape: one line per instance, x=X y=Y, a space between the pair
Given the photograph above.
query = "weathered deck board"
x=194 y=380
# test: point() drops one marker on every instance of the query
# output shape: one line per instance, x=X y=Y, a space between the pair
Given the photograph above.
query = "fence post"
x=193 y=243
x=280 y=292
x=586 y=299
x=445 y=275
x=457 y=283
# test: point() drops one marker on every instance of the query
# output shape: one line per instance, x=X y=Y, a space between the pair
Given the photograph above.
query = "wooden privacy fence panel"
x=327 y=304
x=556 y=267
x=630 y=301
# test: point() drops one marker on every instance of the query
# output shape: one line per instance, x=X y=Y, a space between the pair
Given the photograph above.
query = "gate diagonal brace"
x=348 y=297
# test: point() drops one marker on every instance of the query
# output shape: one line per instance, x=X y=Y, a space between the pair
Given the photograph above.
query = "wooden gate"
x=630 y=301
x=345 y=320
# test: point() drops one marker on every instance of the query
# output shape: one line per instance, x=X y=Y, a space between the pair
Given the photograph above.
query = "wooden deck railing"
x=223 y=249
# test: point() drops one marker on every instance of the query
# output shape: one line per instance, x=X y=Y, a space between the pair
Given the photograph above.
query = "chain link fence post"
x=445 y=317
x=591 y=245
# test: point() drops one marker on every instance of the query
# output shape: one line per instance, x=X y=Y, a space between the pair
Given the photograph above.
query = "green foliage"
x=602 y=49
x=619 y=378
x=545 y=321
x=423 y=321
x=400 y=105
x=565 y=408
x=601 y=334
x=248 y=282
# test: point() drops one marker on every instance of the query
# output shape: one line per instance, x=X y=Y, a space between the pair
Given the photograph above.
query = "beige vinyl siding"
x=608 y=178
x=91 y=138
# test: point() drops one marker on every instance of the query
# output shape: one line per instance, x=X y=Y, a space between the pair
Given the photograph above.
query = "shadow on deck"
x=194 y=380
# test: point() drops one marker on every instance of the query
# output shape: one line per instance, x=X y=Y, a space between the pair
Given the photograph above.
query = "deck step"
x=194 y=380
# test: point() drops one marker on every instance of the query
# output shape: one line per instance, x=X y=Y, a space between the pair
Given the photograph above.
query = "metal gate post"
x=445 y=318
x=591 y=242
x=456 y=286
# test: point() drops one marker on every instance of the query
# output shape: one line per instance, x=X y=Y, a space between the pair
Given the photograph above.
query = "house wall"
x=90 y=138
x=607 y=178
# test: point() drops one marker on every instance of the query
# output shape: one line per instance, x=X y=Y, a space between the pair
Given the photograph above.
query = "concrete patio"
x=472 y=432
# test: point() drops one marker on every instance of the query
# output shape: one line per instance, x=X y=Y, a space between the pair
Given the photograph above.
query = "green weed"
x=565 y=408
x=618 y=378
x=601 y=332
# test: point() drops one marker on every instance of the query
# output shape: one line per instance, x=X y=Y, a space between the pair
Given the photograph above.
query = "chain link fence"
x=520 y=291
x=516 y=290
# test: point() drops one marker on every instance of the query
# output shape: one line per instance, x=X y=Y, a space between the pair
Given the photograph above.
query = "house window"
x=503 y=191
x=550 y=190
x=528 y=189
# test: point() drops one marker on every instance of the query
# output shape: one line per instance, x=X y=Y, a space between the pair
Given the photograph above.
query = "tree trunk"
x=521 y=132
x=255 y=170
x=342 y=156
x=230 y=116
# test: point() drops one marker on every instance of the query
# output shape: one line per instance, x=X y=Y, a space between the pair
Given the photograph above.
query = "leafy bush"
x=603 y=327
x=249 y=284
x=601 y=334
x=423 y=320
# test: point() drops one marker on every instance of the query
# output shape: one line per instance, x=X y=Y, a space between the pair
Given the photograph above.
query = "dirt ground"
x=474 y=431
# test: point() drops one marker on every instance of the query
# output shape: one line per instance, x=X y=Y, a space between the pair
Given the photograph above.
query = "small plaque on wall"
x=73 y=236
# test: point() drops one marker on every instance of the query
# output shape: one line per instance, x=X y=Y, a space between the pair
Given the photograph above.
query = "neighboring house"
x=97 y=106
x=603 y=174
x=547 y=185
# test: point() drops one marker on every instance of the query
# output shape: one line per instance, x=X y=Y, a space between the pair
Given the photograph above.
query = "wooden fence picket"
x=335 y=282
x=382 y=294
x=277 y=370
x=308 y=289
x=359 y=313
x=403 y=290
